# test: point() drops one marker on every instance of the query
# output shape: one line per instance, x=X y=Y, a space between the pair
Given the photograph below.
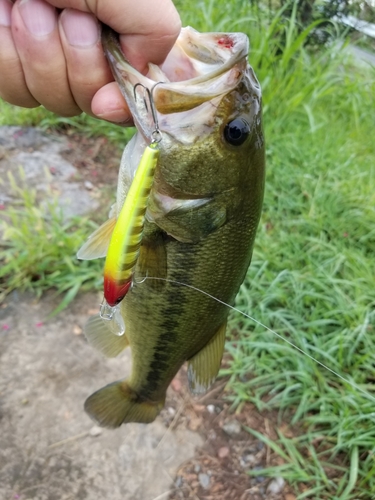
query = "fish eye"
x=237 y=131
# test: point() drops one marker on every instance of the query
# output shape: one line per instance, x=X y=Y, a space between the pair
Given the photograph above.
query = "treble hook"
x=156 y=135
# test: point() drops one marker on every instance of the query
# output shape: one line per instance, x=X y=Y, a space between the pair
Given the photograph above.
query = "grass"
x=13 y=115
x=39 y=246
x=313 y=274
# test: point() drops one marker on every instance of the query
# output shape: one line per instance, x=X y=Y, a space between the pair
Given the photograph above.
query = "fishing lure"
x=125 y=243
x=123 y=251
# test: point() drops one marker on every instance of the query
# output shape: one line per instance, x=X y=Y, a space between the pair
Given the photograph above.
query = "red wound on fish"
x=113 y=292
x=226 y=41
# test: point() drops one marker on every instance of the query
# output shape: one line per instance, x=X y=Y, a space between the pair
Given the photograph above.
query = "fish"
x=201 y=219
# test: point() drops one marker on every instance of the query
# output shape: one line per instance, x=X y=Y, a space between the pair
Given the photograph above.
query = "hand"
x=50 y=51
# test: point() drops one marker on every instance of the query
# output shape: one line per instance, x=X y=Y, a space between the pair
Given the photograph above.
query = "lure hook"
x=139 y=282
x=156 y=134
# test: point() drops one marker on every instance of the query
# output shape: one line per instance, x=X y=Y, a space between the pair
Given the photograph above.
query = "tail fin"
x=117 y=404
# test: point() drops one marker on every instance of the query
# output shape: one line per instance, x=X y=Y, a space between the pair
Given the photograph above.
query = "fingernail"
x=116 y=116
x=81 y=29
x=38 y=16
x=5 y=12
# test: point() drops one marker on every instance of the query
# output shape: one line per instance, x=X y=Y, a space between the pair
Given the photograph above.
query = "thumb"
x=147 y=29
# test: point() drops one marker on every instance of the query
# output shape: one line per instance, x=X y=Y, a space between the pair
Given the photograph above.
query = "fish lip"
x=239 y=39
x=127 y=76
x=226 y=66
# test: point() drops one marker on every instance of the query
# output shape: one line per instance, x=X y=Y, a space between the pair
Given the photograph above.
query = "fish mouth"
x=199 y=68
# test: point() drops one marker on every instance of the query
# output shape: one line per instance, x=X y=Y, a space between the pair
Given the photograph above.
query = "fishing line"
x=341 y=377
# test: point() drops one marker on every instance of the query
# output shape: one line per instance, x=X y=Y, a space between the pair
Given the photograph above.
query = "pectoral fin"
x=160 y=205
x=99 y=334
x=205 y=365
x=97 y=244
x=187 y=221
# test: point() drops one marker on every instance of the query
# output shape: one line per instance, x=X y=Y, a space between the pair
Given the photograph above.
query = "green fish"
x=201 y=219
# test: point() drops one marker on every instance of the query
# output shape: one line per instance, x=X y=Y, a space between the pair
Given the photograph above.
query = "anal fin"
x=99 y=334
x=205 y=365
x=97 y=244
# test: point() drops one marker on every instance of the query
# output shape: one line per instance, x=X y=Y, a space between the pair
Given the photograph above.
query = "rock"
x=211 y=435
x=211 y=409
x=178 y=482
x=204 y=480
x=39 y=155
x=260 y=479
x=176 y=384
x=199 y=408
x=223 y=452
x=22 y=137
x=248 y=460
x=232 y=428
x=260 y=445
x=276 y=486
x=95 y=431
x=195 y=423
x=77 y=330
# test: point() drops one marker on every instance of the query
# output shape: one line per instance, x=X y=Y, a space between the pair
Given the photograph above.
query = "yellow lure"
x=123 y=251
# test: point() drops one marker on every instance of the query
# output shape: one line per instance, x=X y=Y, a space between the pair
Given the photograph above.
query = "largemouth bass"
x=201 y=219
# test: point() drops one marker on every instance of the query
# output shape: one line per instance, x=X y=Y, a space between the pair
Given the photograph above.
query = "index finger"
x=147 y=29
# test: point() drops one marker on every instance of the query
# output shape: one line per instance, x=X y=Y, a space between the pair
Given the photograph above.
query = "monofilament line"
x=352 y=384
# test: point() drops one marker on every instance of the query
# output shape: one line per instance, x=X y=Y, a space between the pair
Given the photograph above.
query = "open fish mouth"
x=199 y=68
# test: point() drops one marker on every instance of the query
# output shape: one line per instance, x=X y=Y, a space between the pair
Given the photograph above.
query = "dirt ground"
x=49 y=448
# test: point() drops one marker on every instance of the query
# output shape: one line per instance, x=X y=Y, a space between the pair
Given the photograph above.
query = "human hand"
x=50 y=51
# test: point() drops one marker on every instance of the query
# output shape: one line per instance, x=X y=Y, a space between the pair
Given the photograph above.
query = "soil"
x=196 y=449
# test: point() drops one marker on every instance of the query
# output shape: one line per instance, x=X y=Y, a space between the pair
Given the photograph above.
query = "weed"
x=13 y=115
x=38 y=248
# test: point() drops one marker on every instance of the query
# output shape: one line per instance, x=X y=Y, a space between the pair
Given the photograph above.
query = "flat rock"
x=34 y=158
x=276 y=486
x=233 y=428
x=204 y=480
